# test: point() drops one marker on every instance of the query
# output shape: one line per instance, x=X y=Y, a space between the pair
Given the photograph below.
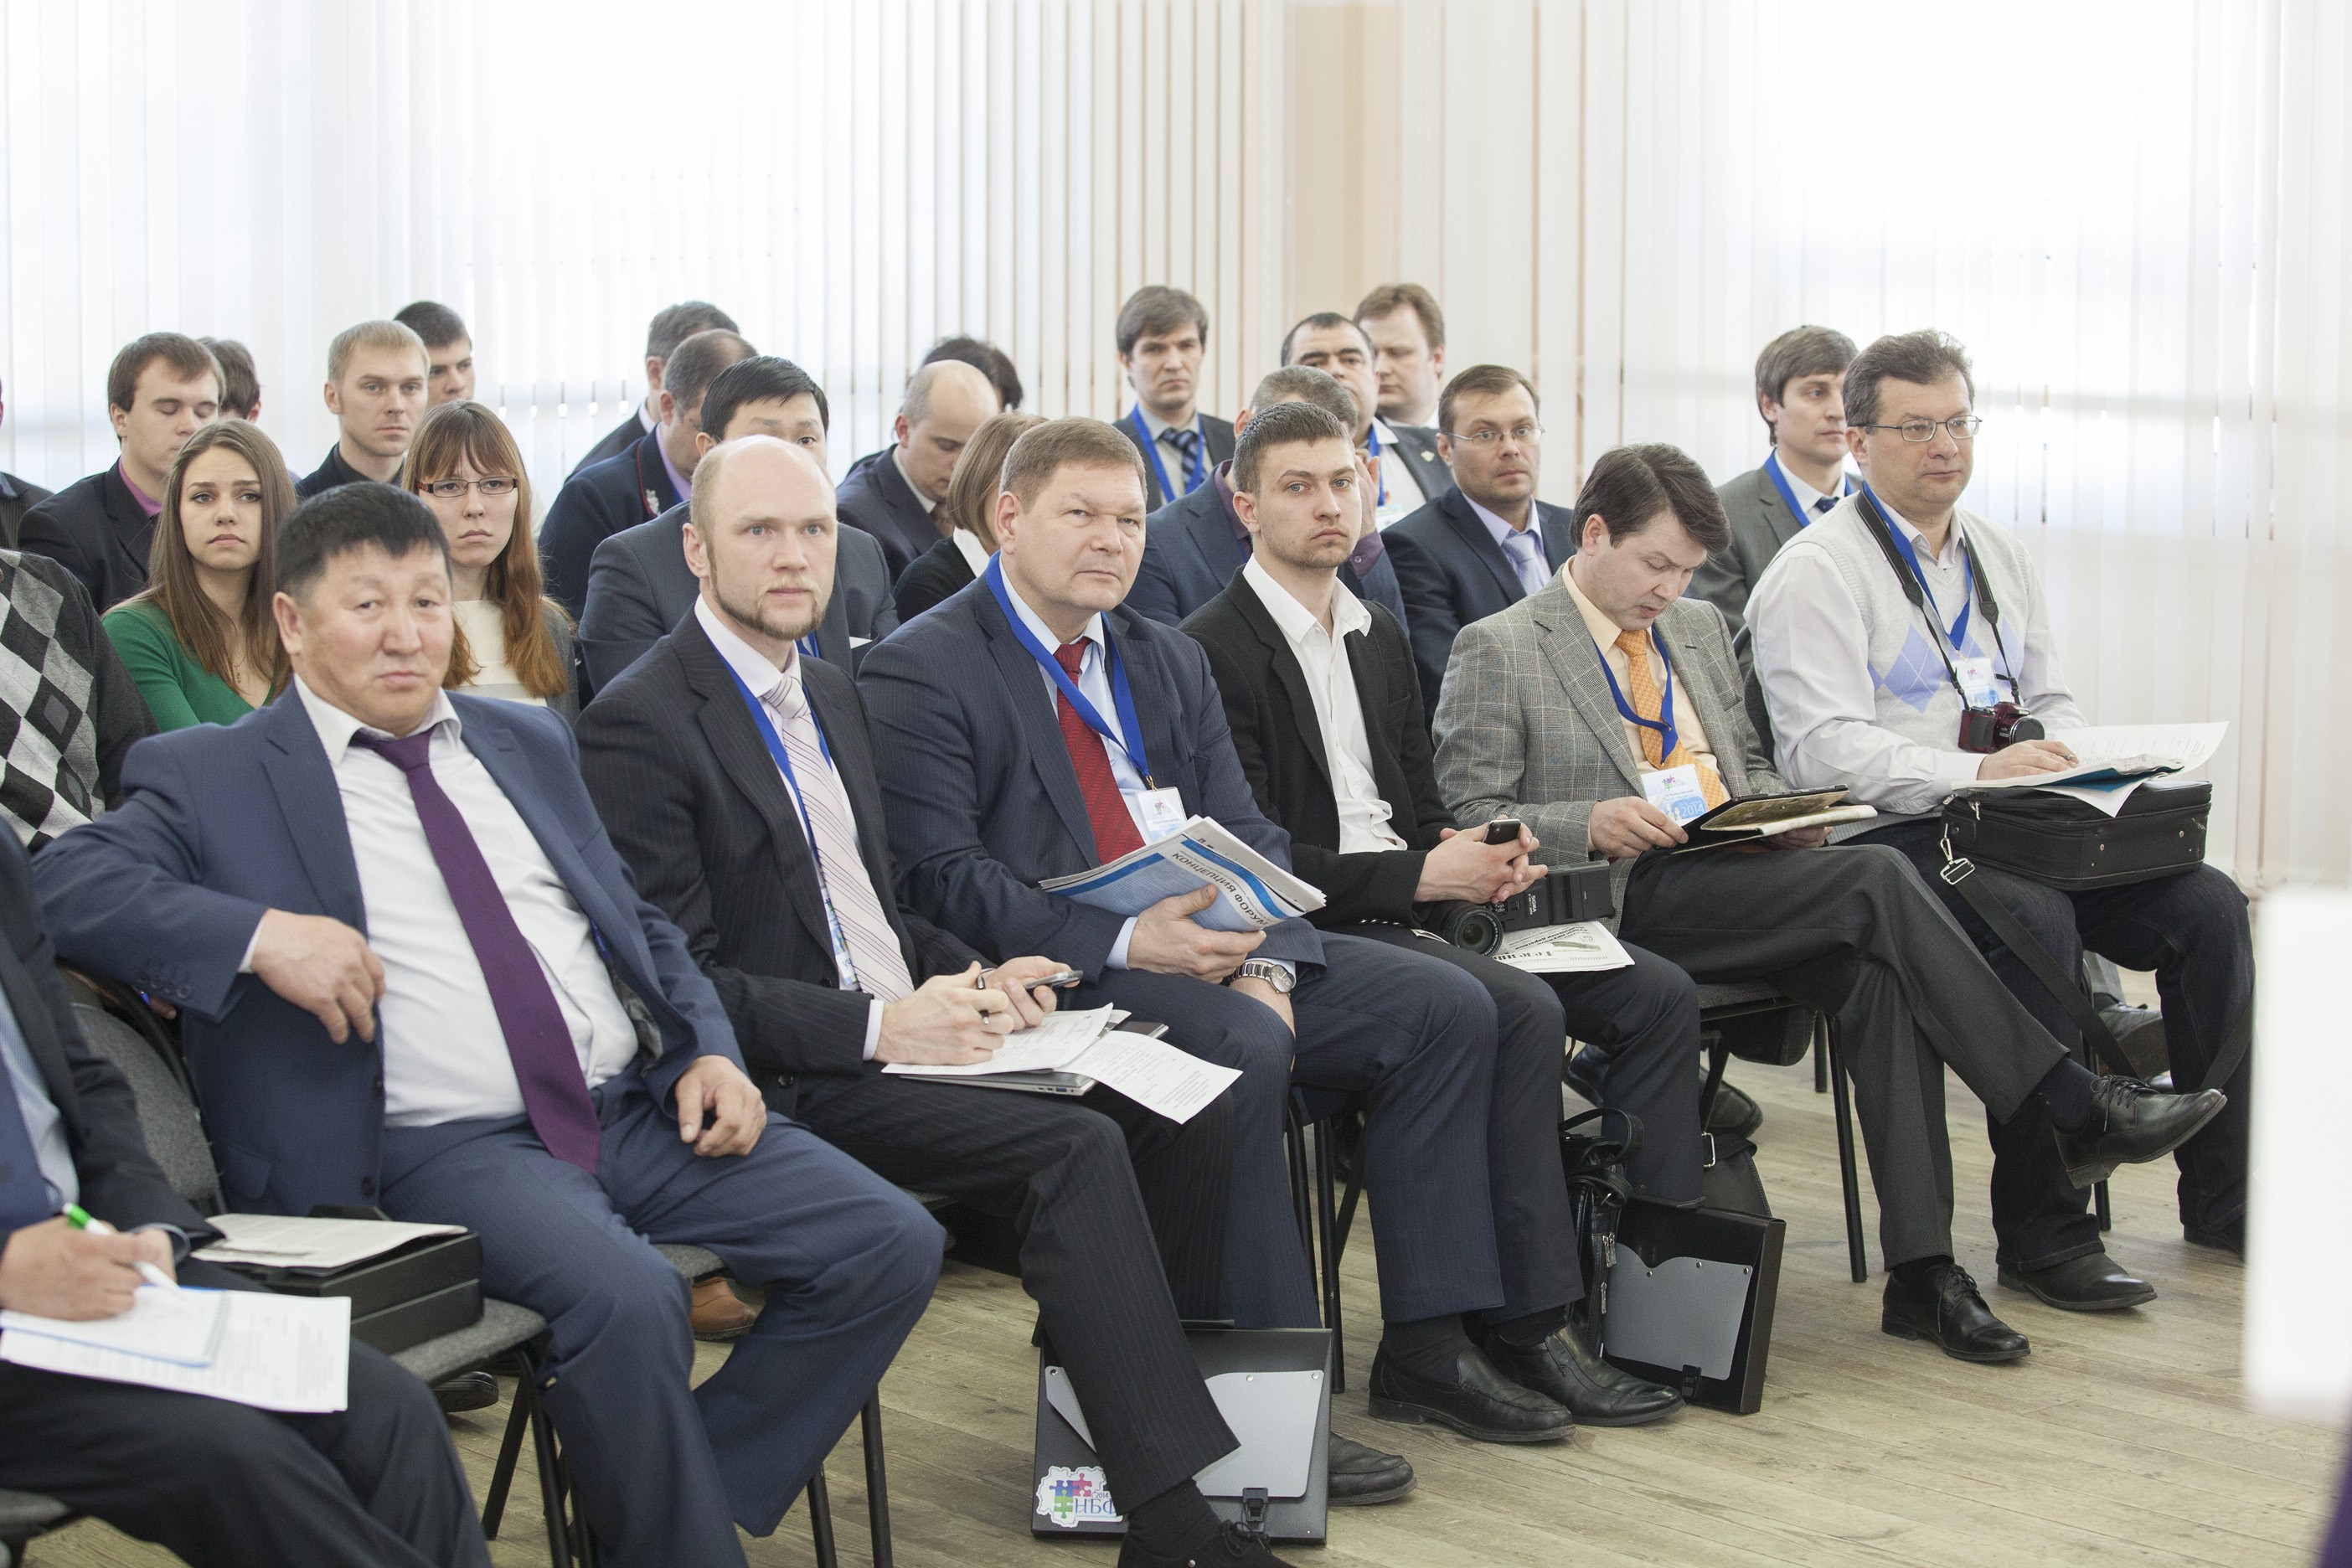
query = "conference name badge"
x=1975 y=677
x=1159 y=811
x=1675 y=792
x=1071 y=1498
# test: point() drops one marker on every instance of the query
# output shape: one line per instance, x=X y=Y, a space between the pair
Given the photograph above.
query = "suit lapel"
x=1472 y=529
x=35 y=1022
x=832 y=633
x=304 y=783
x=1782 y=523
x=1025 y=688
x=1155 y=704
x=1688 y=656
x=1568 y=647
x=132 y=528
x=494 y=747
x=1558 y=537
x=1212 y=535
x=734 y=736
x=1287 y=672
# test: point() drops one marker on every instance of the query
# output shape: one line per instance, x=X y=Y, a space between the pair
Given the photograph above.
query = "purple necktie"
x=546 y=1062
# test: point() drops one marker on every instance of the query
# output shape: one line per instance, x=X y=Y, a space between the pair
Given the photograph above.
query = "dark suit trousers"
x=1061 y=1170
x=1922 y=998
x=1415 y=1037
x=2191 y=930
x=374 y=1486
x=664 y=1472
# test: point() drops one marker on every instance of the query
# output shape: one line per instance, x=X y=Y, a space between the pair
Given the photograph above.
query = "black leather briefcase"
x=1690 y=1299
x=2063 y=843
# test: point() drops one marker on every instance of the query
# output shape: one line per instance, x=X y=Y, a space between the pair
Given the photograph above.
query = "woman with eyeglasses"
x=200 y=642
x=512 y=641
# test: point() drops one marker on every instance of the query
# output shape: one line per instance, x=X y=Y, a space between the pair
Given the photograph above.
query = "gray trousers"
x=1921 y=997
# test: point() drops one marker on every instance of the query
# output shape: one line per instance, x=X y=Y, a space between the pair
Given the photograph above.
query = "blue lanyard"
x=1121 y=695
x=1665 y=722
x=1196 y=467
x=1959 y=630
x=775 y=742
x=1788 y=497
x=1383 y=499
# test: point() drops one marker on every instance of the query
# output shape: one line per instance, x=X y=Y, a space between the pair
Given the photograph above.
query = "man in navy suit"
x=671 y=325
x=639 y=586
x=1195 y=544
x=413 y=972
x=1031 y=727
x=641 y=483
x=892 y=493
x=1485 y=544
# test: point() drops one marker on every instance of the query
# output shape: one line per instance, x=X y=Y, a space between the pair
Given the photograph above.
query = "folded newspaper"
x=1252 y=893
x=1579 y=949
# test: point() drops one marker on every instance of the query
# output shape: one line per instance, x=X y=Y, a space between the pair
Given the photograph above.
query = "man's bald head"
x=946 y=401
x=763 y=539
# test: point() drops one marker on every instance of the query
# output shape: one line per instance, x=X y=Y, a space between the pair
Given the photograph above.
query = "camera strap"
x=1907 y=573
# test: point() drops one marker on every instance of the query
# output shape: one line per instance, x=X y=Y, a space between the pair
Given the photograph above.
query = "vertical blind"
x=2136 y=220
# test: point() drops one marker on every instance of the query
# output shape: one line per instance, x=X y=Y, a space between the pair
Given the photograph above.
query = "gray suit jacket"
x=1761 y=523
x=1526 y=727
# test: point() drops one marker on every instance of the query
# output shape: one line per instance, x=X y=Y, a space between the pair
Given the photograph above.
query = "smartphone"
x=1503 y=830
x=1058 y=980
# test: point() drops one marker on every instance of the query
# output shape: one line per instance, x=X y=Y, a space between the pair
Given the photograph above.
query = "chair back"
x=167 y=1112
x=1760 y=715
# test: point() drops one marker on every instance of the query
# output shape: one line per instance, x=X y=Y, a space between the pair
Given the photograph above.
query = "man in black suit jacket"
x=642 y=482
x=1163 y=335
x=671 y=326
x=782 y=884
x=215 y=1483
x=998 y=775
x=1327 y=721
x=1195 y=544
x=1486 y=543
x=638 y=581
x=891 y=493
x=160 y=389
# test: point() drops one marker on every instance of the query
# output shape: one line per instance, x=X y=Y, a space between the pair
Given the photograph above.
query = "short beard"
x=756 y=614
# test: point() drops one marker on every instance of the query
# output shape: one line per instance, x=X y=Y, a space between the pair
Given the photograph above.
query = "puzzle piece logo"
x=1071 y=1498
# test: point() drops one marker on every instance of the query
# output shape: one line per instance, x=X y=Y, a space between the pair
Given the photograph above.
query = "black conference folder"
x=426 y=1267
x=396 y=1329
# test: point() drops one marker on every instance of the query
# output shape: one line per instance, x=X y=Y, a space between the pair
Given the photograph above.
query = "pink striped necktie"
x=863 y=924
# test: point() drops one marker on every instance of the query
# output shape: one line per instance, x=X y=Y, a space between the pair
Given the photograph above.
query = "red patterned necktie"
x=1115 y=831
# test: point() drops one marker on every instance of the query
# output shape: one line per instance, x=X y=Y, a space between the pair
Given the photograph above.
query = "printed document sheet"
x=2116 y=759
x=179 y=1326
x=1152 y=1073
x=285 y=1241
x=276 y=1352
x=1585 y=947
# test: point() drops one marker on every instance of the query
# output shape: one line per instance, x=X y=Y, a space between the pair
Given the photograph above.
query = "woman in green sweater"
x=200 y=642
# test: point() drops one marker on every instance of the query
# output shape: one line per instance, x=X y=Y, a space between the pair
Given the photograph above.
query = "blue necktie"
x=26 y=1198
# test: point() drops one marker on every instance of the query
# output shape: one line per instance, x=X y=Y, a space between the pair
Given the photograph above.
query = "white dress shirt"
x=1364 y=813
x=1809 y=500
x=751 y=667
x=1522 y=547
x=974 y=554
x=1825 y=704
x=445 y=1054
x=1397 y=477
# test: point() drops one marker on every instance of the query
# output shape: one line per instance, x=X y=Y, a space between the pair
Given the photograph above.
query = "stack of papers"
x=2116 y=759
x=276 y=1352
x=1089 y=1047
x=311 y=1245
x=1586 y=947
x=1252 y=893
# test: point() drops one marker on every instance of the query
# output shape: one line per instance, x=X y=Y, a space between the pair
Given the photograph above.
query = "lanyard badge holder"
x=1196 y=467
x=1984 y=726
x=776 y=743
x=1788 y=497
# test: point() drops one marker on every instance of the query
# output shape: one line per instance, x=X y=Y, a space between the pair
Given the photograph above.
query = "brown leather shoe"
x=719 y=1313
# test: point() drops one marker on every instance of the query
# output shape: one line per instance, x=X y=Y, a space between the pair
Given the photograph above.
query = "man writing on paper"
x=412 y=971
x=1867 y=690
x=1326 y=716
x=1580 y=707
x=736 y=778
x=1032 y=727
x=219 y=1485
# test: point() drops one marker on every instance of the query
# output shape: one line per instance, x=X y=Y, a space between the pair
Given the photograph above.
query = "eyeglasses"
x=1919 y=431
x=1519 y=433
x=450 y=489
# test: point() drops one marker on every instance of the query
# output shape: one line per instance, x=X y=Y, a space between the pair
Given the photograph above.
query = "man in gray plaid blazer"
x=1594 y=710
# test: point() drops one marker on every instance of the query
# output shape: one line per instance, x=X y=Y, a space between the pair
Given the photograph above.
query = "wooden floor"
x=2121 y=1439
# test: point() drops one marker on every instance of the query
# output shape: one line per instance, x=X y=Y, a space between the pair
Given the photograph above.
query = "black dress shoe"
x=1477 y=1402
x=2230 y=1238
x=1563 y=1371
x=1734 y=1113
x=1582 y=1074
x=2131 y=1124
x=1949 y=1311
x=1361 y=1475
x=1231 y=1547
x=2090 y=1283
x=467 y=1391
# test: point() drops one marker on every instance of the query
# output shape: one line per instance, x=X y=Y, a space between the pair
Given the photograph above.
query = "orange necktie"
x=1642 y=690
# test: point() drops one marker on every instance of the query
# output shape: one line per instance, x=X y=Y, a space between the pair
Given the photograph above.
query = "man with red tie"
x=1032 y=727
x=412 y=971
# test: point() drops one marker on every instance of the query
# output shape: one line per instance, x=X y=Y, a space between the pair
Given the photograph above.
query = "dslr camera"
x=1564 y=895
x=2002 y=724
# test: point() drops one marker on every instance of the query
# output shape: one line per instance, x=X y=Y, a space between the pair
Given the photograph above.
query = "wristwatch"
x=1272 y=973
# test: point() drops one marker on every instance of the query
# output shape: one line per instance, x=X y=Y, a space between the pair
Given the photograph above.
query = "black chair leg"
x=821 y=1520
x=1326 y=1215
x=877 y=1483
x=550 y=1478
x=1821 y=1058
x=1293 y=1146
x=2106 y=1211
x=1848 y=1177
x=494 y=1503
x=1718 y=1057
